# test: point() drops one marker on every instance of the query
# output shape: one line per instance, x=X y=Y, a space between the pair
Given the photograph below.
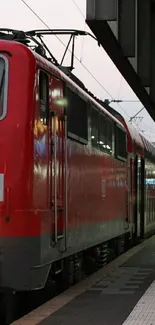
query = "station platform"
x=122 y=293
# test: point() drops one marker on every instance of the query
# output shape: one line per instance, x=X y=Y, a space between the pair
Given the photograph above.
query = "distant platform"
x=122 y=293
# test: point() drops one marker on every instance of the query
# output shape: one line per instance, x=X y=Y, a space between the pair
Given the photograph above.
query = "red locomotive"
x=74 y=179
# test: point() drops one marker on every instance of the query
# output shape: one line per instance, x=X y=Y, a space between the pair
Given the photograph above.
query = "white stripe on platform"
x=144 y=312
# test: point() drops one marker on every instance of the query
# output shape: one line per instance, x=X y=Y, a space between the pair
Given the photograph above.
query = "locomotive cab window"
x=77 y=117
x=43 y=96
x=3 y=86
x=121 y=143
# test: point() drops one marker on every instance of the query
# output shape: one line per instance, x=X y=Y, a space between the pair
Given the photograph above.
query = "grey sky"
x=64 y=14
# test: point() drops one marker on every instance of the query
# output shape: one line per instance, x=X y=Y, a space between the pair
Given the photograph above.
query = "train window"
x=43 y=97
x=109 y=138
x=102 y=141
x=106 y=135
x=77 y=117
x=94 y=128
x=121 y=146
x=2 y=73
x=3 y=86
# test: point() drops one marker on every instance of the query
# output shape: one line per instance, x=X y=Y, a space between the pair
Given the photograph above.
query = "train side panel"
x=97 y=185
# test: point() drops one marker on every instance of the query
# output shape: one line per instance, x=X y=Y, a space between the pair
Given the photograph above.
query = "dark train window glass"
x=2 y=73
x=109 y=137
x=94 y=128
x=77 y=117
x=121 y=145
x=3 y=86
x=105 y=135
x=43 y=96
x=102 y=142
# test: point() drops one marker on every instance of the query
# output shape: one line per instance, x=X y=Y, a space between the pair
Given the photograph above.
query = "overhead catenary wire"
x=76 y=5
x=43 y=22
x=78 y=8
x=90 y=73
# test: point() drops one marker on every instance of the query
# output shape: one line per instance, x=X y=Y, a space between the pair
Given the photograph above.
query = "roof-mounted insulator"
x=40 y=50
x=20 y=37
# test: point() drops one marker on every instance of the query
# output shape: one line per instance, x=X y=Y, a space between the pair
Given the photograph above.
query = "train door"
x=58 y=132
x=136 y=196
x=142 y=203
x=139 y=196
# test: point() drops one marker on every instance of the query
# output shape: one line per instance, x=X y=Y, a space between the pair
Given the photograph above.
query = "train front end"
x=19 y=224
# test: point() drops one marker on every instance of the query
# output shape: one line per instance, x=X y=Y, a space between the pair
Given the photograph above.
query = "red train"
x=75 y=181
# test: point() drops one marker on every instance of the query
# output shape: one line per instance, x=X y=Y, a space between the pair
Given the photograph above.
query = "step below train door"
x=58 y=133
